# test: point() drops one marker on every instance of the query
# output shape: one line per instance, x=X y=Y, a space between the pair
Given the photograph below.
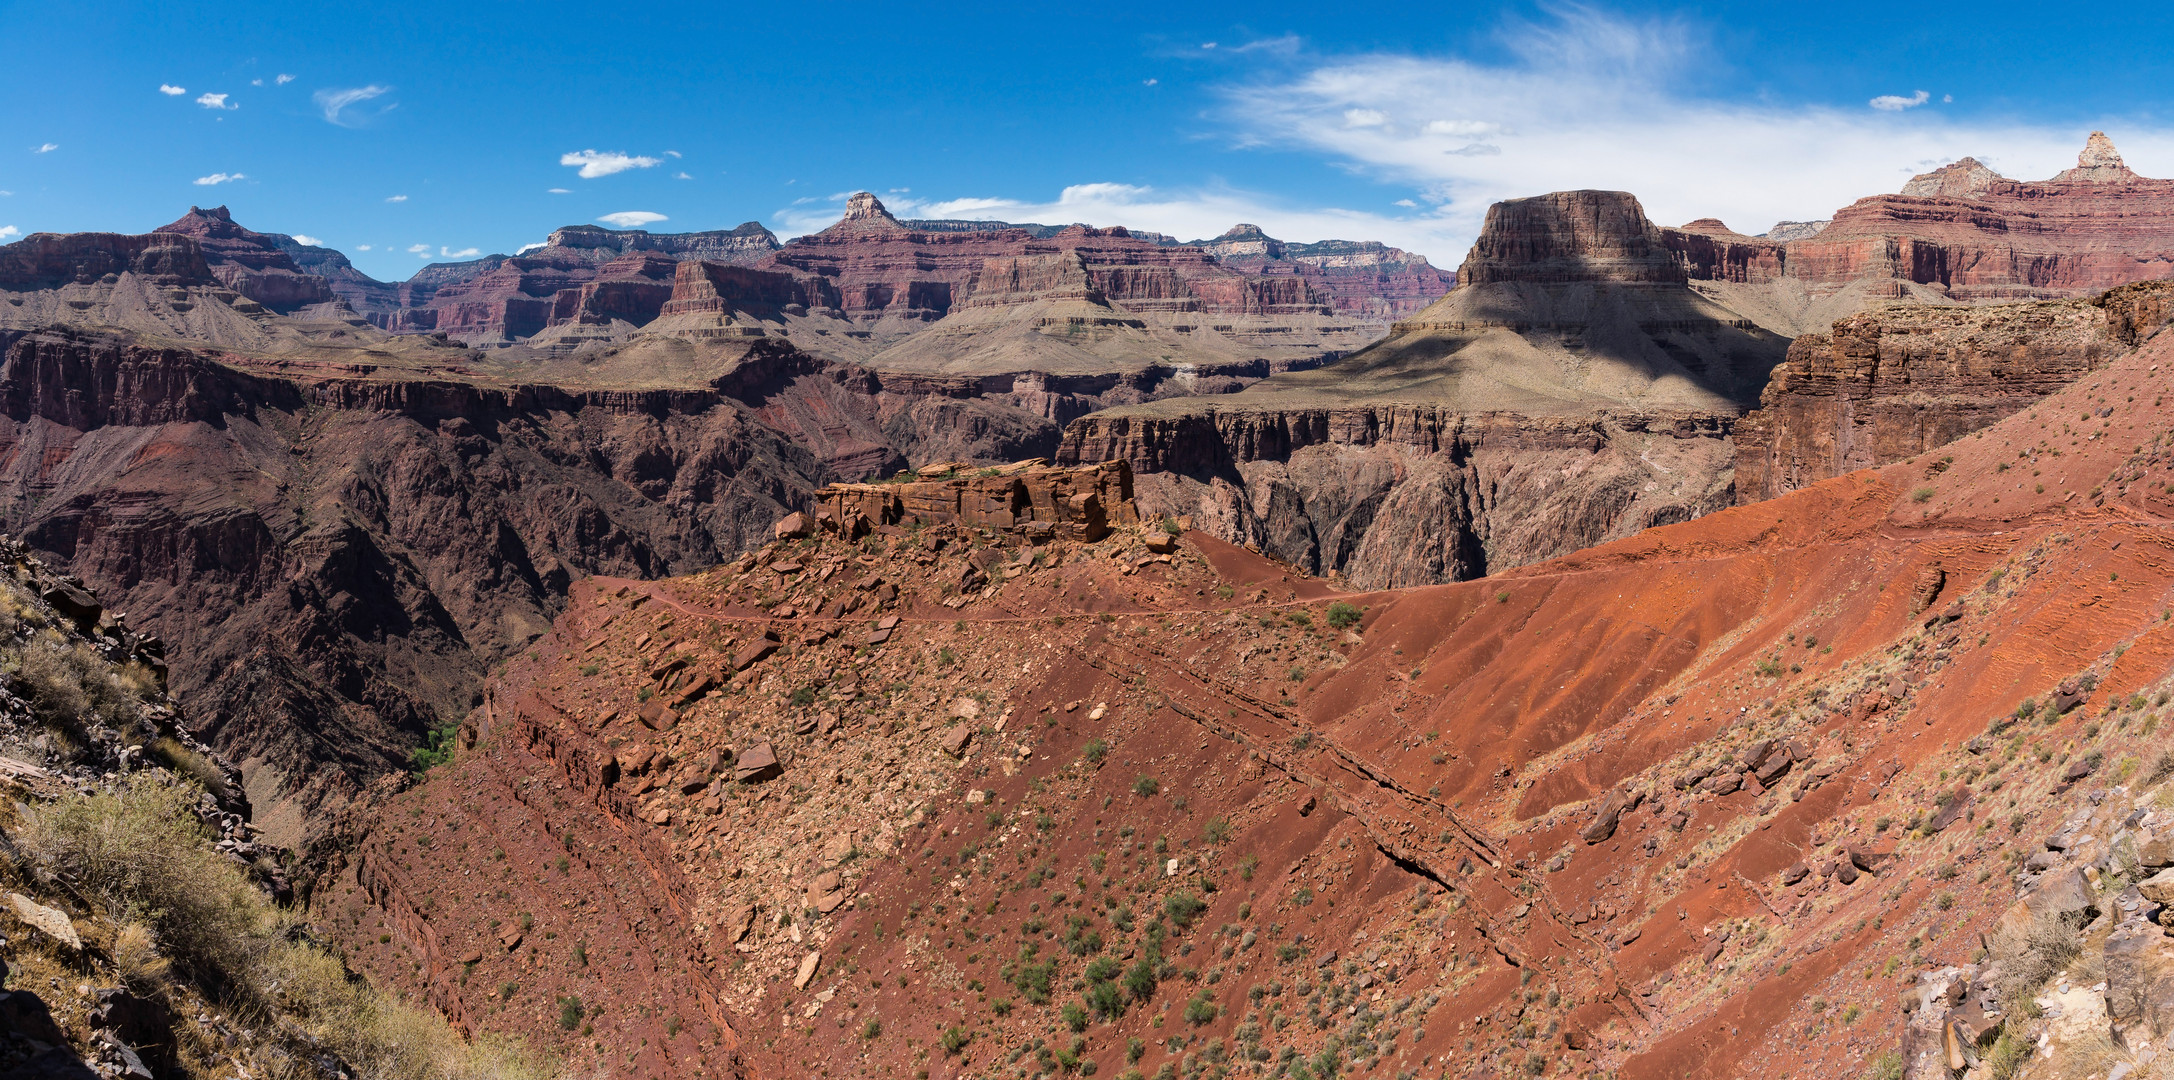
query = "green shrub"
x=140 y=852
x=1095 y=751
x=1343 y=616
x=954 y=1039
x=1201 y=1008
x=1145 y=786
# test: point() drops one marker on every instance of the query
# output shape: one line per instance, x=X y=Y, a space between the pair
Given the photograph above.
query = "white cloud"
x=218 y=178
x=681 y=175
x=1587 y=100
x=1365 y=118
x=1407 y=204
x=1897 y=103
x=214 y=101
x=558 y=191
x=308 y=241
x=419 y=249
x=594 y=164
x=396 y=198
x=170 y=90
x=334 y=102
x=632 y=219
x=46 y=148
x=1149 y=82
x=9 y=230
x=464 y=253
x=1188 y=214
x=672 y=154
x=526 y=248
x=362 y=247
x=5 y=194
x=283 y=80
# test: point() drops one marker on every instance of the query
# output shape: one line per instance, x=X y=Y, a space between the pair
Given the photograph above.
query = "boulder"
x=1795 y=874
x=808 y=964
x=74 y=604
x=656 y=717
x=758 y=763
x=2078 y=769
x=1611 y=811
x=794 y=526
x=955 y=739
x=2155 y=850
x=2158 y=888
x=1956 y=804
x=755 y=651
x=2139 y=982
x=2066 y=895
x=1161 y=543
x=53 y=924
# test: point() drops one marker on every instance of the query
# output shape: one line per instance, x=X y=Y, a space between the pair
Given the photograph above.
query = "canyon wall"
x=1572 y=389
x=1899 y=380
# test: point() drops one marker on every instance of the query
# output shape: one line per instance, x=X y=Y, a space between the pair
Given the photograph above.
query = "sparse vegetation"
x=1343 y=616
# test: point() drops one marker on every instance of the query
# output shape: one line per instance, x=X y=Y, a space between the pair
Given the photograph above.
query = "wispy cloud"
x=283 y=80
x=558 y=191
x=362 y=247
x=170 y=90
x=464 y=253
x=594 y=164
x=682 y=175
x=419 y=249
x=632 y=219
x=214 y=101
x=1590 y=100
x=1897 y=103
x=45 y=148
x=334 y=103
x=8 y=231
x=396 y=198
x=218 y=178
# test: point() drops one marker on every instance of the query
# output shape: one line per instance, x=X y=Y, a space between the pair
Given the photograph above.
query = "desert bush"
x=1343 y=616
x=140 y=851
x=2031 y=952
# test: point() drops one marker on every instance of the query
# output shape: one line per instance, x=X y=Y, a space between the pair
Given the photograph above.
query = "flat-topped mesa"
x=51 y=260
x=1569 y=236
x=741 y=246
x=1032 y=499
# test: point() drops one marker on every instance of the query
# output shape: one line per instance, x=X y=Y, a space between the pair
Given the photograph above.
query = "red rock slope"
x=1700 y=802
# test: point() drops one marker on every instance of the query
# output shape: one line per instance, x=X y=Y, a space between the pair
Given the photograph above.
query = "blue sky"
x=423 y=131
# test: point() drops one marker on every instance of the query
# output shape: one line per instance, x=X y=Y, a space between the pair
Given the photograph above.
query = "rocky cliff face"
x=374 y=539
x=1656 y=809
x=256 y=265
x=1888 y=384
x=1963 y=233
x=1571 y=389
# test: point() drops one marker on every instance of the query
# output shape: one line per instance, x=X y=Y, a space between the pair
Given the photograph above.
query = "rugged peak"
x=1568 y=236
x=1965 y=179
x=215 y=222
x=2099 y=163
x=1243 y=231
x=864 y=210
x=1706 y=225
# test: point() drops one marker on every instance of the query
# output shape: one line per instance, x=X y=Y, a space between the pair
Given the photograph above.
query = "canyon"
x=974 y=648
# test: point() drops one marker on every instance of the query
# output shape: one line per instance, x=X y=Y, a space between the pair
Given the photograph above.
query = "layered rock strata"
x=374 y=531
x=1651 y=810
x=1894 y=382
x=1572 y=388
x=1027 y=497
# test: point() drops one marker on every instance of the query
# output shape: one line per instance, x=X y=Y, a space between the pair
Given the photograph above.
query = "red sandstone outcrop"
x=1888 y=384
x=1964 y=232
x=251 y=263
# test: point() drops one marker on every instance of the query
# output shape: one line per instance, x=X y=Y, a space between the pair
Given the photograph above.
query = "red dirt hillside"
x=1712 y=800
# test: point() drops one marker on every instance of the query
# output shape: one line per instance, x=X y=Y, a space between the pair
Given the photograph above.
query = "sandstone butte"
x=1591 y=373
x=1736 y=796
